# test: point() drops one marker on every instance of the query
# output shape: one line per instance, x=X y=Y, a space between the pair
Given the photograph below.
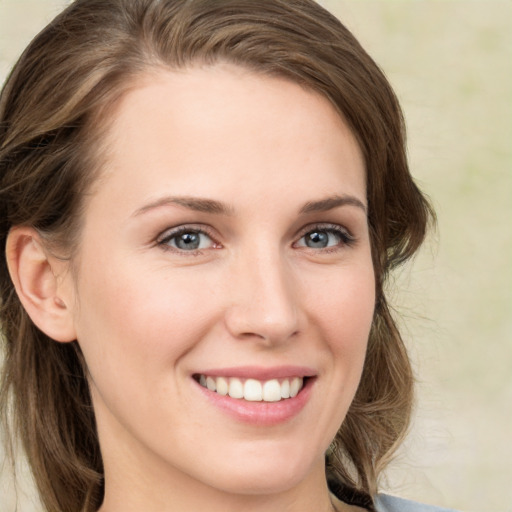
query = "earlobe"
x=35 y=274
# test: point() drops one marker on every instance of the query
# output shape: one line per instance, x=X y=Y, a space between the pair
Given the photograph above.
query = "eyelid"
x=165 y=236
x=168 y=234
x=345 y=233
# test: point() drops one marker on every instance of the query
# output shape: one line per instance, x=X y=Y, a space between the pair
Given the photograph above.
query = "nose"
x=264 y=303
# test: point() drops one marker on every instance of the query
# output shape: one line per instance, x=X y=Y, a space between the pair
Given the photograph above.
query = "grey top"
x=386 y=503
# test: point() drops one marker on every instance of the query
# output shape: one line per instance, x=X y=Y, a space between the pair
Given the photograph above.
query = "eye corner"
x=194 y=240
x=325 y=237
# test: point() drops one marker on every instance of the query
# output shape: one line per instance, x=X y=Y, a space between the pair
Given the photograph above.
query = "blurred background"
x=451 y=65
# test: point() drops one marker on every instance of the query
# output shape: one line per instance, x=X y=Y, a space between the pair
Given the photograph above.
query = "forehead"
x=226 y=125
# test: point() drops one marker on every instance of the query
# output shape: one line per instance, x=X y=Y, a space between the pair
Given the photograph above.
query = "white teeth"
x=222 y=386
x=272 y=391
x=253 y=390
x=285 y=389
x=236 y=388
x=295 y=386
x=211 y=384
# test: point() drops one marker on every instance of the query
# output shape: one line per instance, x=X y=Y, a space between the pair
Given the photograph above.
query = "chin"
x=260 y=483
x=260 y=475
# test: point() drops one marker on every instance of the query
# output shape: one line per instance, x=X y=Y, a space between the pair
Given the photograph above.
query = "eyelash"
x=166 y=237
x=346 y=239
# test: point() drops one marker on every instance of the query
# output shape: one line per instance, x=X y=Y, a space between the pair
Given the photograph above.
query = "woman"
x=200 y=205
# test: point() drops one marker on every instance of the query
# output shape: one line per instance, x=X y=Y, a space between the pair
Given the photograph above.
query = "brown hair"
x=50 y=110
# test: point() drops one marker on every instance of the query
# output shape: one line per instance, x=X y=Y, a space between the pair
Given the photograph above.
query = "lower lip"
x=260 y=413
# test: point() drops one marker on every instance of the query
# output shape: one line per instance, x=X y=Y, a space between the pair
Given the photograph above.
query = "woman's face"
x=226 y=245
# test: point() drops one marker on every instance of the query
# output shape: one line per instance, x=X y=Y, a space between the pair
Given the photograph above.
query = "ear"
x=42 y=283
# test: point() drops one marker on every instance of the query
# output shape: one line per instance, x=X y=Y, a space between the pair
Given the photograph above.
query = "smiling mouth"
x=252 y=390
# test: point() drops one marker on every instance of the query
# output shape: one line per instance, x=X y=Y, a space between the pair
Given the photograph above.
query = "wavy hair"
x=52 y=116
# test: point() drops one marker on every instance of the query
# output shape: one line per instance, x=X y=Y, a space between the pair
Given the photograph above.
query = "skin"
x=149 y=315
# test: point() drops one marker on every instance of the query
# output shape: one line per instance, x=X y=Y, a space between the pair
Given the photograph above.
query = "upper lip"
x=260 y=373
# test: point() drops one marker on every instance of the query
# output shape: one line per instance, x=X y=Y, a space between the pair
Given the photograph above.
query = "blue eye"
x=324 y=238
x=187 y=239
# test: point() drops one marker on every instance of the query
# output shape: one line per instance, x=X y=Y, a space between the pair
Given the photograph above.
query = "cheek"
x=341 y=308
x=134 y=332
x=139 y=318
x=344 y=312
x=344 y=306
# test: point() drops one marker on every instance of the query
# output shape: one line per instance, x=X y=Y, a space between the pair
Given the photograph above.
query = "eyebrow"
x=216 y=207
x=192 y=203
x=329 y=203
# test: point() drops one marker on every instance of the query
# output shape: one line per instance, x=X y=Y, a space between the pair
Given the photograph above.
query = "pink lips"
x=260 y=413
x=259 y=373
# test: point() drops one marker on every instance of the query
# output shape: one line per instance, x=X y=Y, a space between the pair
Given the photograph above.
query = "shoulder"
x=386 y=503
